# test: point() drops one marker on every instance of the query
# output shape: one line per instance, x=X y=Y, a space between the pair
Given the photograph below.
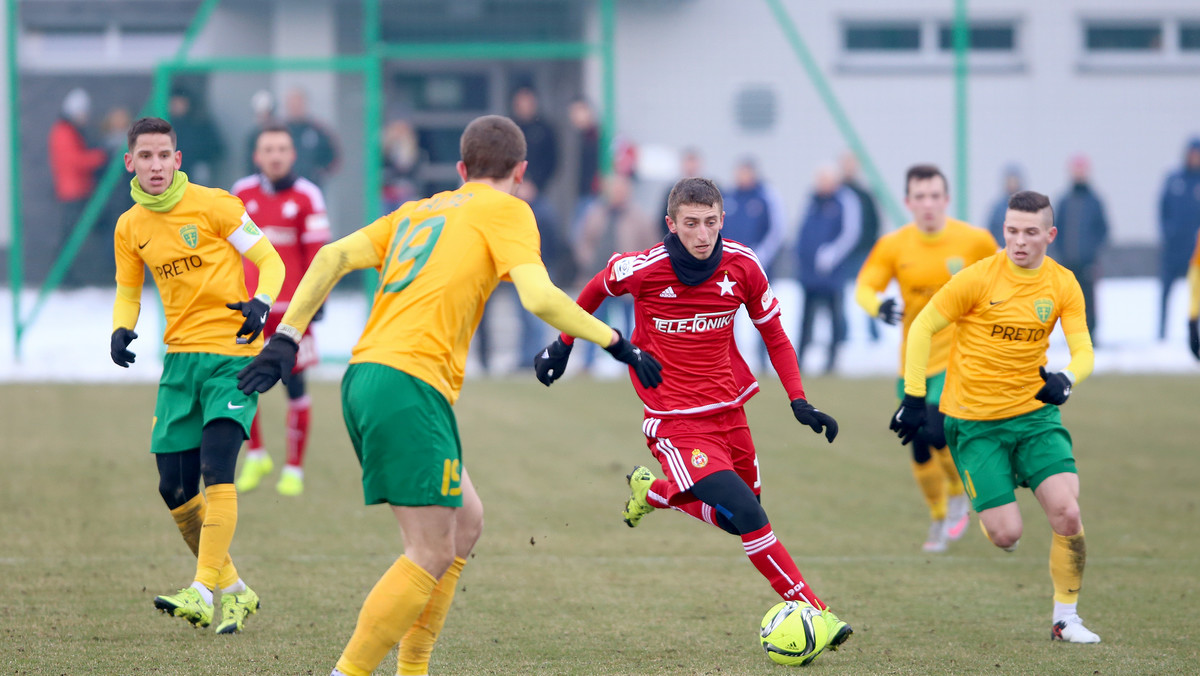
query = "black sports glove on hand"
x=119 y=347
x=275 y=362
x=818 y=421
x=1057 y=387
x=889 y=313
x=909 y=418
x=644 y=364
x=551 y=362
x=1194 y=337
x=255 y=311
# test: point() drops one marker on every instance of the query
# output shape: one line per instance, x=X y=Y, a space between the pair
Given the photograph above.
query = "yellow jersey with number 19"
x=194 y=253
x=1003 y=315
x=442 y=257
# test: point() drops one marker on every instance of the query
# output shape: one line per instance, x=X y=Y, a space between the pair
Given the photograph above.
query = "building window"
x=1139 y=44
x=926 y=44
x=1189 y=37
x=1127 y=37
x=882 y=37
x=755 y=108
x=981 y=37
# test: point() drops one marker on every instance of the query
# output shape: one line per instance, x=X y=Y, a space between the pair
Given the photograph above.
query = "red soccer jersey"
x=295 y=222
x=689 y=329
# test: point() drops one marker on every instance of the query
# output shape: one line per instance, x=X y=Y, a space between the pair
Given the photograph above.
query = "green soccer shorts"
x=933 y=389
x=195 y=389
x=405 y=436
x=994 y=457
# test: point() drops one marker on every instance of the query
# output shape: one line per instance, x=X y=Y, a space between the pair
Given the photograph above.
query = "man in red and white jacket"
x=290 y=210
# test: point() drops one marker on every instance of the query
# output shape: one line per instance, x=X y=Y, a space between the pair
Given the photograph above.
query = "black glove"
x=909 y=418
x=275 y=362
x=889 y=312
x=255 y=311
x=644 y=364
x=551 y=362
x=818 y=421
x=319 y=314
x=1057 y=387
x=118 y=348
x=1194 y=337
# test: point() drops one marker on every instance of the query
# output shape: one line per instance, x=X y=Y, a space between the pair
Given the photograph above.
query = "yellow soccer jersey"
x=442 y=257
x=194 y=255
x=922 y=264
x=1003 y=316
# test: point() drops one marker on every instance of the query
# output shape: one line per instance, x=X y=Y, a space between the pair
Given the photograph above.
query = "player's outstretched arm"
x=352 y=252
x=126 y=308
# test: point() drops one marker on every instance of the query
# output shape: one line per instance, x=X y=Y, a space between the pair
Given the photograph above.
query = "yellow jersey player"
x=921 y=257
x=439 y=259
x=192 y=239
x=1193 y=277
x=1000 y=403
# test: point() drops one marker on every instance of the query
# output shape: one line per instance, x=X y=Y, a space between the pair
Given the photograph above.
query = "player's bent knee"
x=733 y=499
x=178 y=476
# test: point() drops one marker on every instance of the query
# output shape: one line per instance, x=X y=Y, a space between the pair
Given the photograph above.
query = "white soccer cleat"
x=958 y=515
x=936 y=540
x=1072 y=630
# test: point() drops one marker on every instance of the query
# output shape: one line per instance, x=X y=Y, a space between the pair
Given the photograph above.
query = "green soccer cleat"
x=839 y=631
x=636 y=507
x=188 y=604
x=253 y=472
x=235 y=608
x=290 y=484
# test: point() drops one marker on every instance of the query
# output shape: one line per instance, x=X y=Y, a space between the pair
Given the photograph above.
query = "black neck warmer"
x=689 y=269
x=285 y=182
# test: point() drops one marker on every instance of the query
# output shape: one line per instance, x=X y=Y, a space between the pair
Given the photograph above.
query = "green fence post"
x=961 y=45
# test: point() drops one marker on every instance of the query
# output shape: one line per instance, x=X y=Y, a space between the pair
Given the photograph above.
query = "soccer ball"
x=793 y=633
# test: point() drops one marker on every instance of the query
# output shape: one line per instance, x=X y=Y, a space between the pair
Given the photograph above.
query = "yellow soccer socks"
x=189 y=518
x=1067 y=557
x=390 y=609
x=417 y=644
x=954 y=482
x=216 y=534
x=932 y=482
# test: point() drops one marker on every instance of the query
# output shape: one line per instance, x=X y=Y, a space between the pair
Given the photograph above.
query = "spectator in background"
x=402 y=160
x=262 y=104
x=587 y=186
x=73 y=166
x=754 y=217
x=869 y=227
x=1082 y=232
x=690 y=165
x=540 y=140
x=828 y=234
x=195 y=130
x=1013 y=183
x=316 y=149
x=613 y=223
x=1179 y=222
x=114 y=130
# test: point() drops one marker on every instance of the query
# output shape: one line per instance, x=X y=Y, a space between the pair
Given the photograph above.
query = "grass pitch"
x=558 y=584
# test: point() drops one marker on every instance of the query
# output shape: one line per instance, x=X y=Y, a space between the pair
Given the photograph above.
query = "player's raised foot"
x=838 y=632
x=235 y=608
x=637 y=507
x=1071 y=630
x=936 y=540
x=291 y=483
x=958 y=515
x=188 y=604
x=254 y=468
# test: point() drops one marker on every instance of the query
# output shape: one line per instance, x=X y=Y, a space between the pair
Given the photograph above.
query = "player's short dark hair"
x=693 y=190
x=920 y=172
x=1031 y=202
x=491 y=146
x=273 y=128
x=150 y=125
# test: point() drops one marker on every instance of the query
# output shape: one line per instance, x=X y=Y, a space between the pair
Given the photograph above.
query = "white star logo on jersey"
x=726 y=286
x=667 y=293
x=290 y=209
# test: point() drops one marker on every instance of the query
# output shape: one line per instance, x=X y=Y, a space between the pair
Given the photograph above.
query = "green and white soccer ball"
x=793 y=633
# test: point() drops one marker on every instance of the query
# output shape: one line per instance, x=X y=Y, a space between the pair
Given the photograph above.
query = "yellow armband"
x=548 y=302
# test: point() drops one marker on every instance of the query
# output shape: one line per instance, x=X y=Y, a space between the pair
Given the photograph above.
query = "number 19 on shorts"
x=451 y=476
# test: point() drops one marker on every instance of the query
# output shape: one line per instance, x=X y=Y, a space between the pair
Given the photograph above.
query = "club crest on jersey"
x=1043 y=307
x=190 y=234
x=767 y=297
x=726 y=286
x=955 y=264
x=699 y=458
x=622 y=268
x=251 y=229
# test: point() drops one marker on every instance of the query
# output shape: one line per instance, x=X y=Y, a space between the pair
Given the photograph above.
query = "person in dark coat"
x=1179 y=222
x=1082 y=232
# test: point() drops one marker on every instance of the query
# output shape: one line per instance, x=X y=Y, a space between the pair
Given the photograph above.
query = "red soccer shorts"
x=306 y=354
x=689 y=449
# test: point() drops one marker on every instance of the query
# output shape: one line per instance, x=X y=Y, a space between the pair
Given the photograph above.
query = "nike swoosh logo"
x=234 y=408
x=263 y=319
x=545 y=354
x=143 y=246
x=996 y=302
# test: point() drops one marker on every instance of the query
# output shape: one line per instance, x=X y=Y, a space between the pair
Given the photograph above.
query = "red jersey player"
x=290 y=210
x=686 y=292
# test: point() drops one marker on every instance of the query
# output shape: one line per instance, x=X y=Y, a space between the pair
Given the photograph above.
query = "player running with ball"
x=686 y=292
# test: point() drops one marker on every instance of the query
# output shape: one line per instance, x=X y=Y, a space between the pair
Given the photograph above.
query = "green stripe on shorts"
x=405 y=436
